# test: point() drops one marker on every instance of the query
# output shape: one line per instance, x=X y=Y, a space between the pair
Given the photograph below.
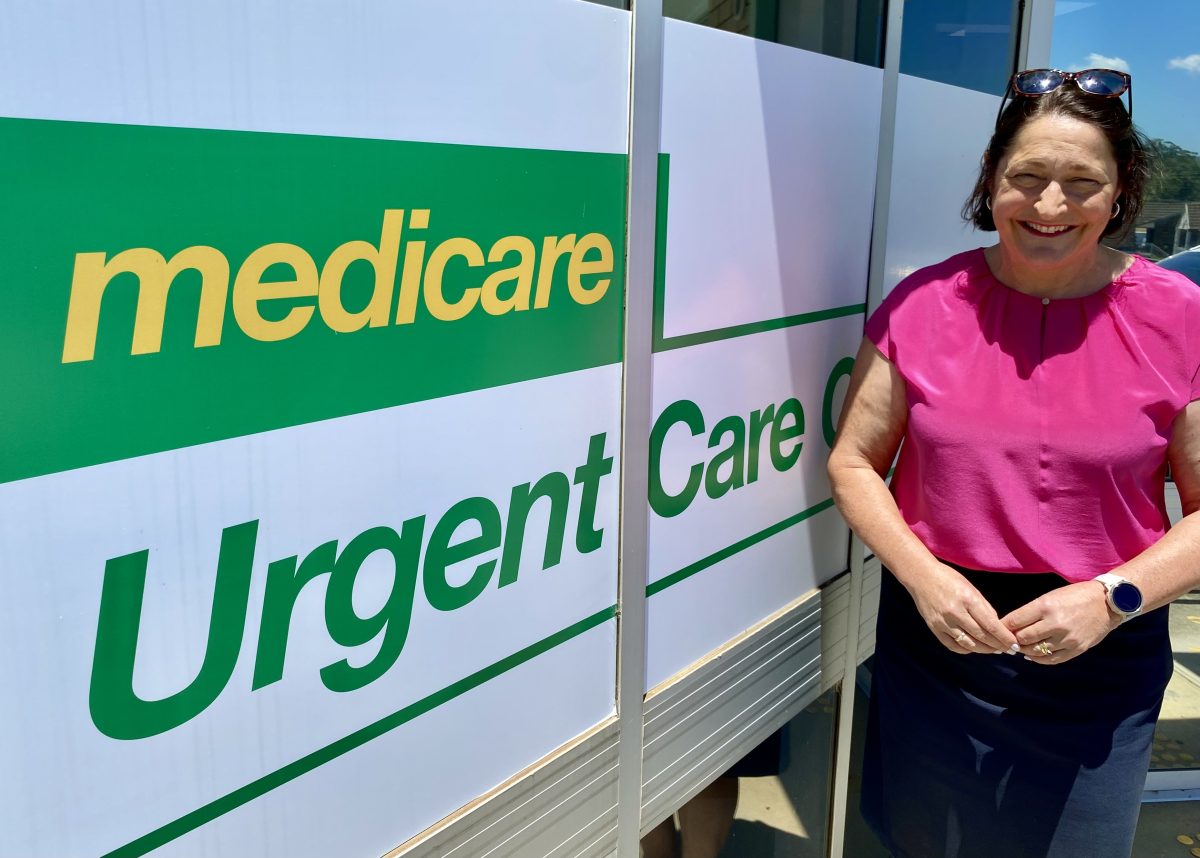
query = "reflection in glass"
x=847 y=29
x=774 y=803
x=967 y=43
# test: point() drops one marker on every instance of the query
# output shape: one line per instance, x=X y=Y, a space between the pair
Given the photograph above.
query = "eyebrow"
x=1075 y=166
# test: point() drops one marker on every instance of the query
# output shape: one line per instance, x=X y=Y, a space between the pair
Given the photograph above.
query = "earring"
x=1116 y=211
x=987 y=201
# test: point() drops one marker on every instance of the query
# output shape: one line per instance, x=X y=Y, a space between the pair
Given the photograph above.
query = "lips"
x=1046 y=230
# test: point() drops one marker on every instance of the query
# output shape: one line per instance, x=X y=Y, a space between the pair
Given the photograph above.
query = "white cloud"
x=1190 y=64
x=1099 y=61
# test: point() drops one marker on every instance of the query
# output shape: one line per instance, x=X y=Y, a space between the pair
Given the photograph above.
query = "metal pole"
x=1037 y=26
x=644 y=121
x=883 y=196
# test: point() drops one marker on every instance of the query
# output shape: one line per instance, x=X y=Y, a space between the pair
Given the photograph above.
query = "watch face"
x=1126 y=597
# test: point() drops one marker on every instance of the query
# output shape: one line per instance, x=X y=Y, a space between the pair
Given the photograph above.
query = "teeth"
x=1047 y=230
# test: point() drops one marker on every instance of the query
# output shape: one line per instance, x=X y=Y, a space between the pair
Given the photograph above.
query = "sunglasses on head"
x=1102 y=83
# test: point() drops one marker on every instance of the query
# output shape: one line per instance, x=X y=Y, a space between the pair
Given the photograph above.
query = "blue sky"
x=1156 y=41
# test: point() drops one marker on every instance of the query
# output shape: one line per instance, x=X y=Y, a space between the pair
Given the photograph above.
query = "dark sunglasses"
x=1103 y=83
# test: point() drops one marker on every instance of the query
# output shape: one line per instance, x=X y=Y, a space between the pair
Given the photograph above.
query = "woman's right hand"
x=959 y=616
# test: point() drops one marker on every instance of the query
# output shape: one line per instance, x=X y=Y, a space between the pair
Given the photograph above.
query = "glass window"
x=847 y=29
x=967 y=43
x=1160 y=51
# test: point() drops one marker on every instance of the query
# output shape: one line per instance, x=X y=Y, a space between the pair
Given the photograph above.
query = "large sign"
x=309 y=473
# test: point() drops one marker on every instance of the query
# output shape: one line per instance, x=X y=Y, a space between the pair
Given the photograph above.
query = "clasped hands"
x=1053 y=628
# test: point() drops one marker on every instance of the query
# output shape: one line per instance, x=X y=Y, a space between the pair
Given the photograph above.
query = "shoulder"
x=1157 y=296
x=936 y=282
x=1144 y=273
x=1162 y=312
x=923 y=302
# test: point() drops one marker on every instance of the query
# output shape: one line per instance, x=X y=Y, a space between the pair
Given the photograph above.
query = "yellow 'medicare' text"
x=519 y=277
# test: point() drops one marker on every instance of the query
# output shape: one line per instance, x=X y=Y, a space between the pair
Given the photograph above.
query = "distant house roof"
x=1156 y=210
x=1193 y=215
x=1160 y=222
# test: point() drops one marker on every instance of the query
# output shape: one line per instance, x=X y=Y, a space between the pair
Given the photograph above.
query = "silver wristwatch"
x=1124 y=597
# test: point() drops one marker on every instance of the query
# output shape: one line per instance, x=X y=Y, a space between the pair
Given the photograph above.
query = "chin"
x=1046 y=258
x=1046 y=252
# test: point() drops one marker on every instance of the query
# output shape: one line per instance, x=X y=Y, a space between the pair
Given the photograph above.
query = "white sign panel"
x=772 y=163
x=768 y=220
x=309 y=472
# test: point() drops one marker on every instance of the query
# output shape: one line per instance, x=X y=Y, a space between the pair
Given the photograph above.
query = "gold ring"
x=1043 y=648
x=960 y=637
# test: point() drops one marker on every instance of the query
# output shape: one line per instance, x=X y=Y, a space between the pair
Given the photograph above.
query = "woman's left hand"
x=1068 y=621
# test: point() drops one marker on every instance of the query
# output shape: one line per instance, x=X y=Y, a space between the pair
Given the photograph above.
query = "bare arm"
x=873 y=422
x=1171 y=567
x=872 y=425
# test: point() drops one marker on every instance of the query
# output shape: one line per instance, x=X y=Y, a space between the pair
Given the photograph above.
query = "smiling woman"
x=1039 y=386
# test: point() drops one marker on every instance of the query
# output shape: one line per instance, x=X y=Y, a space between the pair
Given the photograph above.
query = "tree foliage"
x=1175 y=172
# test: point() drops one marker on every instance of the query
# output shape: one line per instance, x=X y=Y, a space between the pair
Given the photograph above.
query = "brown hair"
x=1107 y=114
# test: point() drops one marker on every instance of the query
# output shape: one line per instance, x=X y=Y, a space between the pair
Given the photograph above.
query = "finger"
x=986 y=627
x=963 y=638
x=1024 y=616
x=1050 y=650
x=979 y=640
x=1056 y=656
x=1039 y=631
x=958 y=641
x=1033 y=653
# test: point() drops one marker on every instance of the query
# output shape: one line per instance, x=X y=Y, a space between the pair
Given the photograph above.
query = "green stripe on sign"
x=684 y=340
x=249 y=792
x=165 y=287
x=737 y=547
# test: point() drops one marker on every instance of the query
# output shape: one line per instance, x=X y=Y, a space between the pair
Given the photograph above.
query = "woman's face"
x=1053 y=192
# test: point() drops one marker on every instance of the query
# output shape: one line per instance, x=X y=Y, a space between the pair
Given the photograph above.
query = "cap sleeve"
x=1192 y=338
x=887 y=327
x=878 y=329
x=1189 y=296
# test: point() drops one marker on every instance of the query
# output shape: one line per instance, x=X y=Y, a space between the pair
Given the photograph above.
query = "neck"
x=1072 y=279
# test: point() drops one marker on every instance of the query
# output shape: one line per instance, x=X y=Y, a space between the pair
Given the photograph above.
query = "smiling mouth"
x=1045 y=230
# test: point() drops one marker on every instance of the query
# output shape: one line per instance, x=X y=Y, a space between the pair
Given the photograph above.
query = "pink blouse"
x=1038 y=428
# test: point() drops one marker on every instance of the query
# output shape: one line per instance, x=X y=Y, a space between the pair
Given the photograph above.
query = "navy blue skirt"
x=975 y=756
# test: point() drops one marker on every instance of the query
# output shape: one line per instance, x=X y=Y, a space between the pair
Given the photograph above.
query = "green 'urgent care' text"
x=738 y=444
x=421 y=560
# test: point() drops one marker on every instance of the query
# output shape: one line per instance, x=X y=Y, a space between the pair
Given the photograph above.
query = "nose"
x=1052 y=201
